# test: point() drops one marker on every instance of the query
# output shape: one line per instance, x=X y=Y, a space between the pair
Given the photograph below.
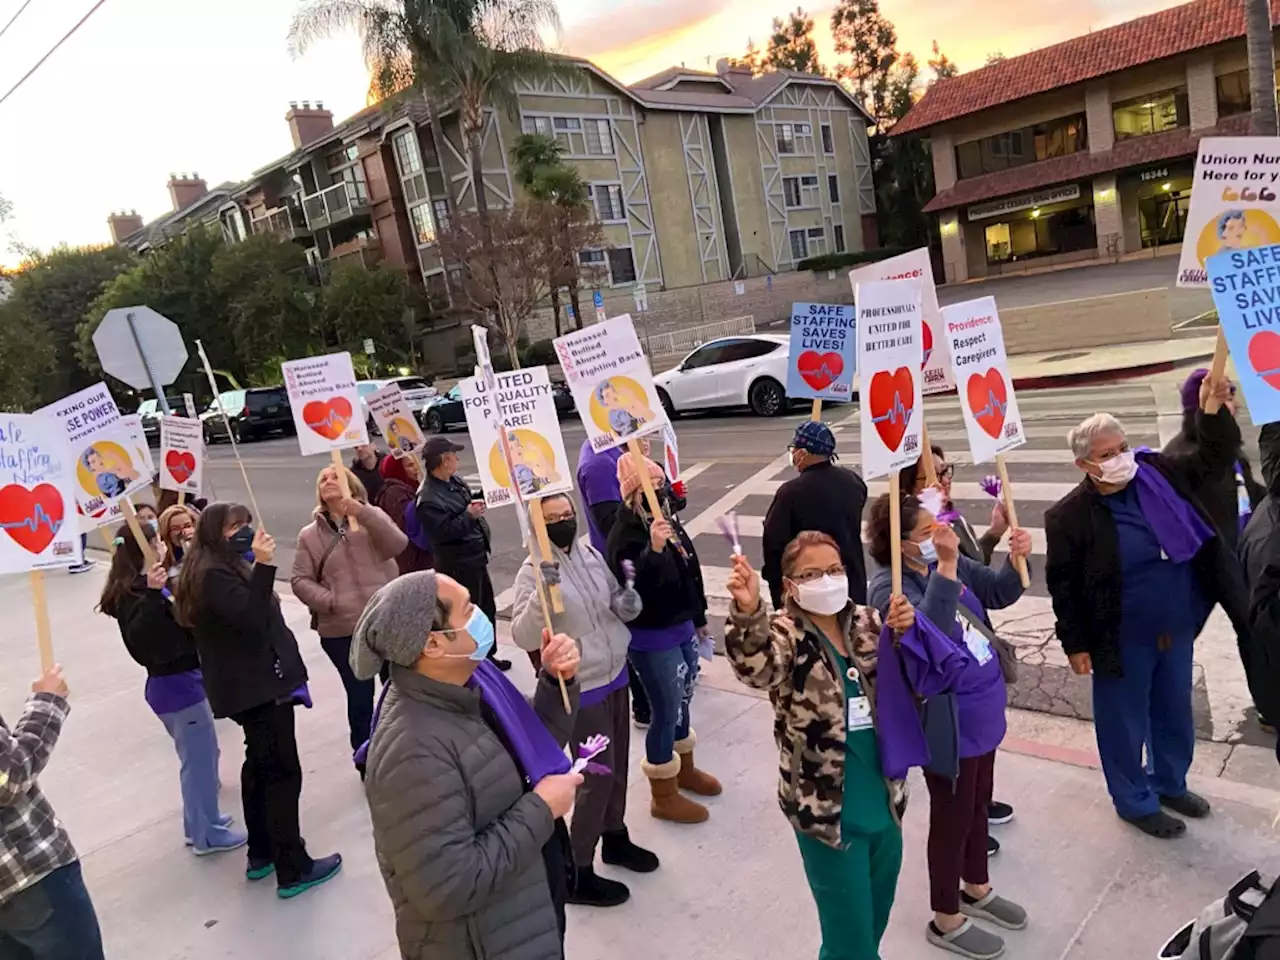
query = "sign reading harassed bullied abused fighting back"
x=981 y=368
x=1246 y=291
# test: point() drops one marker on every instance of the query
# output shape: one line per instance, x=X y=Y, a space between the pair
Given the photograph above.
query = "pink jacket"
x=361 y=564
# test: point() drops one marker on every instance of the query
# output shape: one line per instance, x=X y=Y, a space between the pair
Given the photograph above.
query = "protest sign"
x=671 y=453
x=916 y=265
x=890 y=325
x=181 y=455
x=395 y=421
x=981 y=370
x=823 y=352
x=37 y=496
x=80 y=414
x=326 y=406
x=1246 y=291
x=525 y=405
x=1235 y=202
x=111 y=464
x=611 y=382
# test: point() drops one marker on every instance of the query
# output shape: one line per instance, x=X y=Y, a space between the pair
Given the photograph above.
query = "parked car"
x=254 y=413
x=417 y=393
x=564 y=398
x=748 y=371
x=150 y=413
x=443 y=411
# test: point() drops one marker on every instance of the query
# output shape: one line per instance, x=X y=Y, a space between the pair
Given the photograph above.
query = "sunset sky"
x=152 y=86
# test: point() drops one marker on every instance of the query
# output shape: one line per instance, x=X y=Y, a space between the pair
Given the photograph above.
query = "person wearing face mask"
x=468 y=782
x=138 y=599
x=824 y=497
x=597 y=609
x=177 y=528
x=253 y=674
x=912 y=479
x=1259 y=553
x=954 y=593
x=1134 y=566
x=663 y=647
x=817 y=660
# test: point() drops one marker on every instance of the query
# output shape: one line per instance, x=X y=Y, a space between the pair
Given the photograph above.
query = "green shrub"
x=834 y=261
x=537 y=354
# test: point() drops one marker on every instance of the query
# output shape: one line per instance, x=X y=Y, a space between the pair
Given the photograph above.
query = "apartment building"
x=695 y=177
x=1084 y=149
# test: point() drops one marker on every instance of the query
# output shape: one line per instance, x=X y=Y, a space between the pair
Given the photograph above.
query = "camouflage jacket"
x=785 y=656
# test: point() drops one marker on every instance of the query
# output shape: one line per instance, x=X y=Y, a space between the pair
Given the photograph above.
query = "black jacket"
x=247 y=652
x=459 y=539
x=825 y=498
x=670 y=585
x=1216 y=491
x=1082 y=569
x=152 y=636
x=1260 y=557
x=371 y=478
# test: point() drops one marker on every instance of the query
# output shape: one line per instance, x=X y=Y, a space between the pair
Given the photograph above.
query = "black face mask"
x=563 y=532
x=242 y=540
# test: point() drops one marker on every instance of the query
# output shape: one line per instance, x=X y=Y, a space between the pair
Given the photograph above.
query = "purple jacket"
x=598 y=483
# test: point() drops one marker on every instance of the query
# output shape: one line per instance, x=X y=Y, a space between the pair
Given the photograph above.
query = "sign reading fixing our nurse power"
x=991 y=417
x=824 y=352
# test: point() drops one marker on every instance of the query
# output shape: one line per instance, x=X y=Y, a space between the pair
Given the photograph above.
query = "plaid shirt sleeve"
x=25 y=750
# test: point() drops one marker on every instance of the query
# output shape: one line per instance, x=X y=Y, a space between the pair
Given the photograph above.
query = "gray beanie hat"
x=395 y=624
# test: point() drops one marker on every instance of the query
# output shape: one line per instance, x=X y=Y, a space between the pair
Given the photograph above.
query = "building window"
x=599 y=138
x=606 y=198
x=817 y=241
x=539 y=125
x=839 y=236
x=1233 y=93
x=591 y=258
x=786 y=137
x=437 y=287
x=407 y=157
x=1152 y=113
x=568 y=123
x=440 y=213
x=791 y=191
x=828 y=140
x=1041 y=141
x=804 y=130
x=799 y=248
x=424 y=228
x=622 y=266
x=348 y=154
x=833 y=187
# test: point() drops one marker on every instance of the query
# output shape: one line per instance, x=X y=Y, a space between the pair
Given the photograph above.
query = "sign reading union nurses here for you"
x=1246 y=291
x=889 y=364
x=981 y=368
x=823 y=352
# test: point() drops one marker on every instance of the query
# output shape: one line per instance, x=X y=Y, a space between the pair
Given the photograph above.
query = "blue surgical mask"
x=928 y=552
x=480 y=629
x=242 y=540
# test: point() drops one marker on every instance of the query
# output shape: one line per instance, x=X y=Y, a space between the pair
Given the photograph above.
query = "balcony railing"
x=366 y=252
x=278 y=220
x=334 y=204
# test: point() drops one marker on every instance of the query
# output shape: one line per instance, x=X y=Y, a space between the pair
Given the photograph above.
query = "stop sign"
x=131 y=339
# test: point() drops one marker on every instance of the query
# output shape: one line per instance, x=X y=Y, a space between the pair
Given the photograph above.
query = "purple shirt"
x=598 y=483
x=655 y=639
x=175 y=692
x=599 y=694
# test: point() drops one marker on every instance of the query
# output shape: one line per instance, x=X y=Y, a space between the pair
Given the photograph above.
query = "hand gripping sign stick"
x=1020 y=563
x=344 y=484
x=235 y=447
x=1217 y=370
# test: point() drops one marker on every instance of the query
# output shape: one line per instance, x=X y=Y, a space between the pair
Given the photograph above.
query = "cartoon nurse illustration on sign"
x=106 y=470
x=532 y=459
x=623 y=404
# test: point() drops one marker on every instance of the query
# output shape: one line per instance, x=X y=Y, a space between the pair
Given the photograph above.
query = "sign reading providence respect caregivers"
x=991 y=416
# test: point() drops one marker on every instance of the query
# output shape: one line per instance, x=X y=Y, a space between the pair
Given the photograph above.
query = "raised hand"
x=744 y=585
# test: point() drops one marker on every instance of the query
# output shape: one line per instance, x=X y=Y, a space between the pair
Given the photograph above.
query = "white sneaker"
x=82 y=567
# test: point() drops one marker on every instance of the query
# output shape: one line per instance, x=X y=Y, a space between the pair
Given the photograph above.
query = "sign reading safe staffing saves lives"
x=981 y=368
x=824 y=352
x=1246 y=291
x=889 y=328
x=37 y=498
x=326 y=405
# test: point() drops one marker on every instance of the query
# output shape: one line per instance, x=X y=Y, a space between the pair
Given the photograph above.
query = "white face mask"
x=825 y=597
x=1120 y=469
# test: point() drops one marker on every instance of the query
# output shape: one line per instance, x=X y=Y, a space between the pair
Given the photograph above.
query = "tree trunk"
x=475 y=147
x=555 y=307
x=577 y=308
x=1262 y=70
x=437 y=135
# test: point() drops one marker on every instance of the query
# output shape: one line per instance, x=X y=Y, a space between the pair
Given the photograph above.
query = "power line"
x=39 y=63
x=14 y=17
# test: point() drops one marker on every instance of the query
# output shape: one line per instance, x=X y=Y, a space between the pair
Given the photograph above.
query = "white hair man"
x=1134 y=566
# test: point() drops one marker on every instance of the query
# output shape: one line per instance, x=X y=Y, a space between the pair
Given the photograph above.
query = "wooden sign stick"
x=1217 y=370
x=131 y=518
x=182 y=497
x=108 y=540
x=44 y=636
x=650 y=495
x=926 y=454
x=816 y=413
x=1020 y=563
x=895 y=532
x=344 y=484
x=544 y=548
x=550 y=627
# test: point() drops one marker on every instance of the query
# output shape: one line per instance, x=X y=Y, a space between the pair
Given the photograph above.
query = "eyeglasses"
x=811 y=574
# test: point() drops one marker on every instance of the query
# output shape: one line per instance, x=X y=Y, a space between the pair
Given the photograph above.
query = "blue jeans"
x=668 y=677
x=359 y=692
x=51 y=920
x=196 y=740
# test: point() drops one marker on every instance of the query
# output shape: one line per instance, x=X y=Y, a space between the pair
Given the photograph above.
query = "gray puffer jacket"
x=596 y=611
x=458 y=837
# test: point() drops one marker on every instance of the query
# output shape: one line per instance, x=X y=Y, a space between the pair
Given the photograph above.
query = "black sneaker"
x=592 y=891
x=326 y=868
x=617 y=850
x=259 y=869
x=999 y=813
x=993 y=846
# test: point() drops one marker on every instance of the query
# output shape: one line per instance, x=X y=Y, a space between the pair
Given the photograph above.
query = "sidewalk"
x=731 y=889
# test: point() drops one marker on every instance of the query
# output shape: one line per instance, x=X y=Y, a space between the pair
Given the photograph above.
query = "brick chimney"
x=185 y=189
x=123 y=224
x=308 y=123
x=730 y=72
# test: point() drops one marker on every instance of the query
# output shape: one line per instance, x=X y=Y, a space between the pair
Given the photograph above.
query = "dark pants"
x=51 y=920
x=958 y=830
x=270 y=787
x=477 y=582
x=639 y=699
x=601 y=802
x=359 y=692
x=669 y=677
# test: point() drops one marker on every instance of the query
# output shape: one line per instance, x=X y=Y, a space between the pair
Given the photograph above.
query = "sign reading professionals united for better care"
x=1246 y=291
x=37 y=498
x=824 y=352
x=889 y=328
x=982 y=378
x=1235 y=202
x=326 y=405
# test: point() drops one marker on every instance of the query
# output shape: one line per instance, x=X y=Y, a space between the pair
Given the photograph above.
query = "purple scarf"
x=534 y=749
x=1180 y=530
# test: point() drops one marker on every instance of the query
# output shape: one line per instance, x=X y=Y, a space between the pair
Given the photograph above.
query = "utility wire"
x=14 y=17
x=39 y=63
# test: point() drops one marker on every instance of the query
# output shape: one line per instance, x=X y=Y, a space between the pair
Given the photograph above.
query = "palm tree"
x=1262 y=70
x=465 y=54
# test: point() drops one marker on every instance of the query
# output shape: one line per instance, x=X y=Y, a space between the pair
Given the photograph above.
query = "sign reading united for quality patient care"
x=1235 y=202
x=824 y=352
x=981 y=368
x=1246 y=291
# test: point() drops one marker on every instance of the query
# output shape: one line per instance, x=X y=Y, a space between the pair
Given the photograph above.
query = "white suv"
x=740 y=371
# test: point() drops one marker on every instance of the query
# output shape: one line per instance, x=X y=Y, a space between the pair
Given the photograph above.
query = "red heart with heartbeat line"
x=820 y=370
x=180 y=465
x=328 y=417
x=892 y=398
x=1264 y=355
x=988 y=399
x=928 y=344
x=31 y=517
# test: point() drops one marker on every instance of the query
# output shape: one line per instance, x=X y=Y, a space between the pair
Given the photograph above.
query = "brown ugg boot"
x=691 y=778
x=668 y=803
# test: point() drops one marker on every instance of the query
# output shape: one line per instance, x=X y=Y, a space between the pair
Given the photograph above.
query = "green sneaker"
x=326 y=868
x=259 y=869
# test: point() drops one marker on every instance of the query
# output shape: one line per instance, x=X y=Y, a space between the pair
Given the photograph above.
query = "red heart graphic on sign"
x=988 y=399
x=328 y=417
x=1264 y=355
x=180 y=465
x=820 y=370
x=31 y=517
x=892 y=398
x=928 y=344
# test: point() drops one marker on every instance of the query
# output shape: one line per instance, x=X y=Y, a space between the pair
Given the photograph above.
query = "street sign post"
x=142 y=348
x=369 y=347
x=598 y=299
x=642 y=297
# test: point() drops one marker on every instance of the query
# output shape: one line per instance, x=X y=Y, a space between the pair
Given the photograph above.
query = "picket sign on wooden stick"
x=344 y=484
x=650 y=494
x=1217 y=370
x=816 y=413
x=926 y=452
x=182 y=497
x=1019 y=563
x=44 y=636
x=235 y=447
x=895 y=532
x=131 y=518
x=544 y=548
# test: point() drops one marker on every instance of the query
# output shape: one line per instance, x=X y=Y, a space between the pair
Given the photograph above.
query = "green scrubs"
x=854 y=887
